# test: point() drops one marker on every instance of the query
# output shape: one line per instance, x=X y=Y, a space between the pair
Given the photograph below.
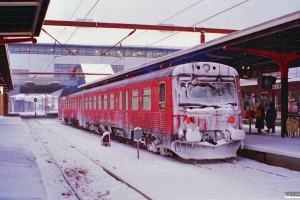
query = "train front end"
x=207 y=111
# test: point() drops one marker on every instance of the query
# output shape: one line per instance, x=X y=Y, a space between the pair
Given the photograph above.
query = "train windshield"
x=207 y=91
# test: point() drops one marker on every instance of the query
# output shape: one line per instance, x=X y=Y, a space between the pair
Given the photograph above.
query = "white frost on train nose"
x=236 y=134
x=193 y=135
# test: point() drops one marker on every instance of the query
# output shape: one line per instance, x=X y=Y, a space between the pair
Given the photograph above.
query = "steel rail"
x=105 y=169
x=55 y=162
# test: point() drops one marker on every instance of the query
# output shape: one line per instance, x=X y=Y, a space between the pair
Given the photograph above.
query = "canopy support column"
x=283 y=60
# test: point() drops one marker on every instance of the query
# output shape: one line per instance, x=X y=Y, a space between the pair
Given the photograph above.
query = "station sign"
x=276 y=86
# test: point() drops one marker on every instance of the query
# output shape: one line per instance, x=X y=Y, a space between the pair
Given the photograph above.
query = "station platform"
x=271 y=148
x=21 y=177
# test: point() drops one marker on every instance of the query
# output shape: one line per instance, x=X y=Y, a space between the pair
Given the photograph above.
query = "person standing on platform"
x=260 y=117
x=271 y=118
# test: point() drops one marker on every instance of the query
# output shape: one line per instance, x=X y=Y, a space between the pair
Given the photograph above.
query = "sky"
x=233 y=14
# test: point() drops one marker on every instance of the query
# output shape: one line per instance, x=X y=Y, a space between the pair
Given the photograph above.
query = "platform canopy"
x=19 y=19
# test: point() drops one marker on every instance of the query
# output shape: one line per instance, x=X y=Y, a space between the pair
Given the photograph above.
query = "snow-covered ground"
x=81 y=157
x=271 y=142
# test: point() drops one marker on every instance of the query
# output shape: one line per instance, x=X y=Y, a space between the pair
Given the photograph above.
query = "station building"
x=29 y=58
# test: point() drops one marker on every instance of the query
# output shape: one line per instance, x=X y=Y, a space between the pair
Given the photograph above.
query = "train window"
x=126 y=100
x=105 y=102
x=99 y=102
x=135 y=100
x=120 y=100
x=95 y=102
x=91 y=103
x=86 y=103
x=112 y=101
x=162 y=96
x=146 y=98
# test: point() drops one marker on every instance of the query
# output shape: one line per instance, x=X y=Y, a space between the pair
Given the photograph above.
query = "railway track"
x=231 y=161
x=33 y=123
x=243 y=170
x=238 y=165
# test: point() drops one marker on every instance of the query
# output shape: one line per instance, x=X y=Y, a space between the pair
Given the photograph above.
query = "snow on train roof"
x=201 y=68
x=205 y=68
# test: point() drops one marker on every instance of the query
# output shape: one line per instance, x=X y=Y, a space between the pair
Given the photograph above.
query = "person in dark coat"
x=271 y=118
x=260 y=117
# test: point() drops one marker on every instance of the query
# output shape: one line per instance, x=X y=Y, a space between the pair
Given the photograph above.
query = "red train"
x=193 y=110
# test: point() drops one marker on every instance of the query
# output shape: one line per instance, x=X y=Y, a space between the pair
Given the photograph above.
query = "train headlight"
x=206 y=67
x=189 y=120
x=231 y=120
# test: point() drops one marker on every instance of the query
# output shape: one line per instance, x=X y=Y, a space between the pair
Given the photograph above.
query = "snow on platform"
x=19 y=172
x=271 y=148
x=271 y=142
x=158 y=176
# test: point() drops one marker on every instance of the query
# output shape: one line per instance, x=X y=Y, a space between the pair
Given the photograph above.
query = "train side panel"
x=193 y=110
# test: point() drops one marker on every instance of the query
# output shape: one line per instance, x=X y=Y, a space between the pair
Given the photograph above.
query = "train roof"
x=198 y=68
x=185 y=67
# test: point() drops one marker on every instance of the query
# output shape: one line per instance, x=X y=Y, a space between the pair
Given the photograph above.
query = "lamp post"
x=35 y=100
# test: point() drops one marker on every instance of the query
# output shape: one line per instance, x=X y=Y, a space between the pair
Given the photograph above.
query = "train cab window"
x=126 y=100
x=99 y=102
x=162 y=96
x=146 y=98
x=105 y=102
x=120 y=101
x=135 y=100
x=95 y=102
x=112 y=101
x=86 y=103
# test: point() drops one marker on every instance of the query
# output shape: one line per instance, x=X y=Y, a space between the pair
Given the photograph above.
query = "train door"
x=120 y=111
x=81 y=108
x=162 y=106
x=126 y=114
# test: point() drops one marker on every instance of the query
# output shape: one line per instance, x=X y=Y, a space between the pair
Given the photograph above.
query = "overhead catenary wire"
x=158 y=24
x=195 y=23
x=57 y=39
x=83 y=20
x=120 y=58
x=167 y=19
x=200 y=22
